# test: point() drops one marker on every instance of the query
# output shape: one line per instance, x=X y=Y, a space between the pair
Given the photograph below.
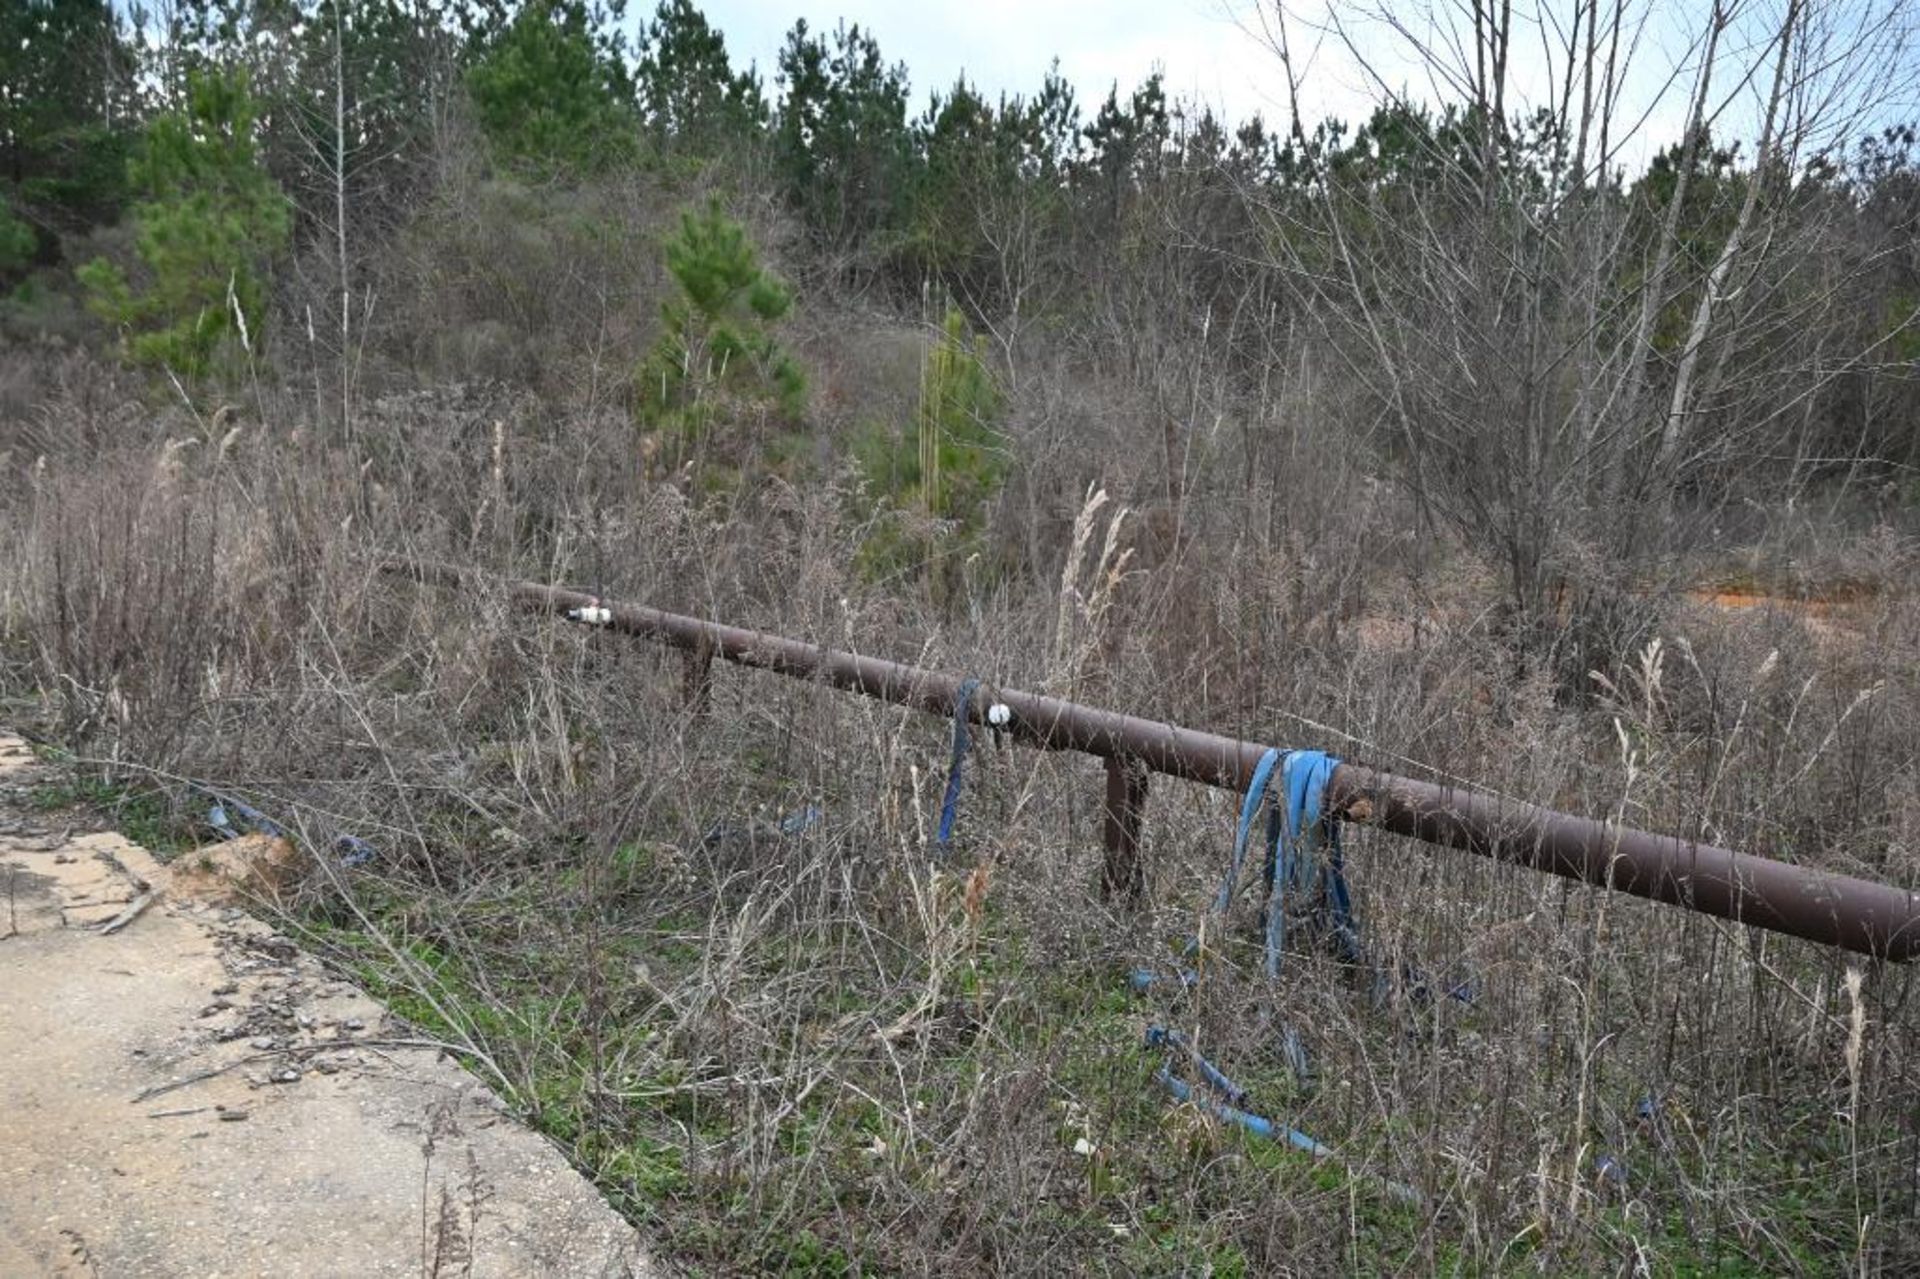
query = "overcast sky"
x=1211 y=51
x=1007 y=45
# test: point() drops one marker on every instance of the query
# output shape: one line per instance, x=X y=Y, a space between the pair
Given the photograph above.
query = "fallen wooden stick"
x=131 y=913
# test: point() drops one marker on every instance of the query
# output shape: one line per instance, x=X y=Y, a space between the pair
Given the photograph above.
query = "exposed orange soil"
x=1737 y=599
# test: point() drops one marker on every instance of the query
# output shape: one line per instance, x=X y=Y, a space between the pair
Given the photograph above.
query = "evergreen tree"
x=964 y=163
x=693 y=99
x=989 y=191
x=380 y=69
x=961 y=456
x=66 y=106
x=841 y=142
x=1126 y=142
x=552 y=95
x=18 y=244
x=1713 y=192
x=717 y=359
x=938 y=474
x=1053 y=129
x=208 y=224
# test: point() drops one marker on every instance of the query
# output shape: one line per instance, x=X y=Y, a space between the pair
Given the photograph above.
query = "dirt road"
x=189 y=1094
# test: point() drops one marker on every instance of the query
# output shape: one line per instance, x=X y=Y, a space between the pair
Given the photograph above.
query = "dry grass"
x=823 y=1052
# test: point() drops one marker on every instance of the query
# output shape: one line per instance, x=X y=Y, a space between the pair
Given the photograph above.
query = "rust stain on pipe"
x=1839 y=910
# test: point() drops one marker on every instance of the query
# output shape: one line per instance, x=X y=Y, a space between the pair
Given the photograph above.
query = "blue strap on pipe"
x=1249 y=809
x=1296 y=832
x=950 y=803
x=1292 y=863
x=1335 y=895
x=1292 y=858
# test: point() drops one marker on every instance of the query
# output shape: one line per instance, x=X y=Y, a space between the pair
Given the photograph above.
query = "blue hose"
x=1183 y=1091
x=1161 y=1037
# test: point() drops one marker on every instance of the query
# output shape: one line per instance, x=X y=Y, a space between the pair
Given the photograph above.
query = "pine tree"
x=552 y=97
x=953 y=457
x=841 y=142
x=208 y=223
x=935 y=478
x=1127 y=141
x=695 y=102
x=716 y=359
x=18 y=244
x=66 y=101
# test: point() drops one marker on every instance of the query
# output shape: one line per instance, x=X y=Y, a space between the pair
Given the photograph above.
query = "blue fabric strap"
x=1297 y=832
x=950 y=804
x=1335 y=897
x=1249 y=809
x=1293 y=857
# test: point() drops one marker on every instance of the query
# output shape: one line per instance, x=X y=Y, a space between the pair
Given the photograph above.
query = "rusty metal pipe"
x=1839 y=910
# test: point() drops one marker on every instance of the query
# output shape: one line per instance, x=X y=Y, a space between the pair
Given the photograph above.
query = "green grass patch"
x=145 y=814
x=778 y=1086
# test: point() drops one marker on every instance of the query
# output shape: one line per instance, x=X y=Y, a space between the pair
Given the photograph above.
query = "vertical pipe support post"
x=1122 y=874
x=697 y=679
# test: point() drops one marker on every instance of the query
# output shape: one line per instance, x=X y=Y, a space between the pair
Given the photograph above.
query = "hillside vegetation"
x=1486 y=442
